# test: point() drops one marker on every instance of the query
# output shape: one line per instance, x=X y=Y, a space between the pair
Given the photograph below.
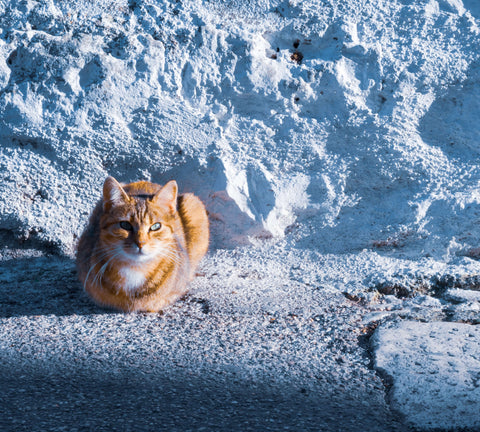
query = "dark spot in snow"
x=297 y=57
x=354 y=298
x=395 y=289
x=132 y=5
x=42 y=194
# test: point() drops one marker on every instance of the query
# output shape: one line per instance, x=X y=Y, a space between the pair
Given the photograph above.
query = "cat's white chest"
x=132 y=279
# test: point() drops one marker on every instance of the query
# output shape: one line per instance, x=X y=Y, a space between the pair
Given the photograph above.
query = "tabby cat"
x=142 y=245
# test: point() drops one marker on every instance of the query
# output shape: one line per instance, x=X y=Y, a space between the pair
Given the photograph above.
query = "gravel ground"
x=206 y=363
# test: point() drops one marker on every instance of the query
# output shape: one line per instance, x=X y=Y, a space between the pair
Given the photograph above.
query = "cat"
x=142 y=245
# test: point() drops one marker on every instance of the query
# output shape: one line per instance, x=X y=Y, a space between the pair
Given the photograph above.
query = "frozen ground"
x=335 y=144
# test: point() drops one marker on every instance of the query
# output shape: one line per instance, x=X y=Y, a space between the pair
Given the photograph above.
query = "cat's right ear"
x=167 y=196
x=113 y=194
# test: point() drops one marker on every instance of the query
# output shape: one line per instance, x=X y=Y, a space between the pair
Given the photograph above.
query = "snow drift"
x=346 y=124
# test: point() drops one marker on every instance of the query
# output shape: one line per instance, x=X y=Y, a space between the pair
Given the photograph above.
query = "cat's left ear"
x=167 y=195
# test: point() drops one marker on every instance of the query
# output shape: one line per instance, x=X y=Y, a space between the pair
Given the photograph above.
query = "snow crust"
x=441 y=389
x=341 y=137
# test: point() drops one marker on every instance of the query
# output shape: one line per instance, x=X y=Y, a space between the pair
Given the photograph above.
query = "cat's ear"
x=113 y=193
x=167 y=196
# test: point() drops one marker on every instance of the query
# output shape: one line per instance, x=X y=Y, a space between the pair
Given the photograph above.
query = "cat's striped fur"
x=142 y=245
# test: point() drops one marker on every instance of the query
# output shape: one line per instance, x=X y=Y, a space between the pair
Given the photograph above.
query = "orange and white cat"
x=142 y=245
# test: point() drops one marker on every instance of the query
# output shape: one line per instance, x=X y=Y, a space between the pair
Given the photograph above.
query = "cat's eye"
x=126 y=226
x=156 y=226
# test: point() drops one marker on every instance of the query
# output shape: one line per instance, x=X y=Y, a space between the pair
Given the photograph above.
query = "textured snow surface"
x=357 y=119
x=335 y=144
x=436 y=371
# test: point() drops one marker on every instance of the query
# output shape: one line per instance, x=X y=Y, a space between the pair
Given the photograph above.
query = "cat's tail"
x=195 y=225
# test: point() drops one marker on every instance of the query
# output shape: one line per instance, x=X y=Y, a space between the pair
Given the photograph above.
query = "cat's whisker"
x=99 y=259
x=171 y=256
x=99 y=255
x=101 y=272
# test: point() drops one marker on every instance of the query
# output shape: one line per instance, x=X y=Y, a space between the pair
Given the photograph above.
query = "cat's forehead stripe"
x=141 y=207
x=141 y=210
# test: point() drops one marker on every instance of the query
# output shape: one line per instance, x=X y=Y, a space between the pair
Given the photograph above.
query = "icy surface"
x=335 y=144
x=436 y=372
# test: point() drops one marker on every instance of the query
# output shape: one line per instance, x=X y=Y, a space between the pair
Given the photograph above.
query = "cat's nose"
x=140 y=245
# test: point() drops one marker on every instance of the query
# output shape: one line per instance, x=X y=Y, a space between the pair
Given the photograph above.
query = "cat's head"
x=138 y=219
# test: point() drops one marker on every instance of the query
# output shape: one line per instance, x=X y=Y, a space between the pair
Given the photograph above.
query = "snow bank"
x=348 y=125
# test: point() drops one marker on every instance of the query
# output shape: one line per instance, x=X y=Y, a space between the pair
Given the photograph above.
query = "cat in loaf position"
x=142 y=245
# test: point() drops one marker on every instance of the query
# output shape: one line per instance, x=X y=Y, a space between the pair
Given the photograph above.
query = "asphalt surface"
x=174 y=400
x=66 y=364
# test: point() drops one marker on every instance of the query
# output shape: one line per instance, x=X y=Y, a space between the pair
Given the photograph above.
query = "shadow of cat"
x=42 y=286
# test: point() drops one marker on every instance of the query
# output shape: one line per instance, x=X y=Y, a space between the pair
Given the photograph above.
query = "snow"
x=443 y=361
x=334 y=143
